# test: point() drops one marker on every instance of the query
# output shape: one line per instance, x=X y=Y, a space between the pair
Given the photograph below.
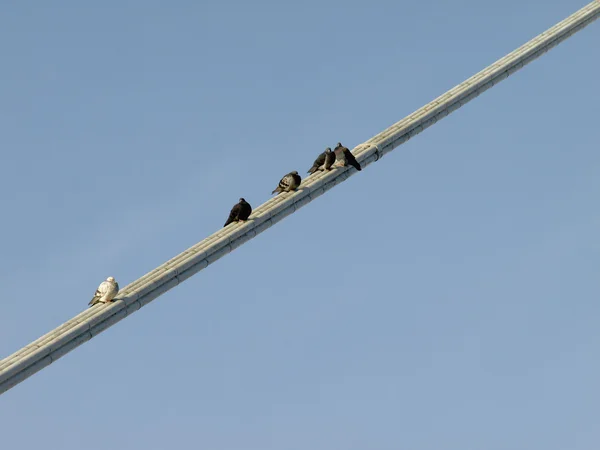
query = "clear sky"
x=446 y=297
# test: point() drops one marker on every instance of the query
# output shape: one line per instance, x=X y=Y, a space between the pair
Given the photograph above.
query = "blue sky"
x=444 y=298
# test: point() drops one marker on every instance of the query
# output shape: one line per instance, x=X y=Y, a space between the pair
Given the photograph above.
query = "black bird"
x=289 y=182
x=345 y=157
x=323 y=162
x=240 y=212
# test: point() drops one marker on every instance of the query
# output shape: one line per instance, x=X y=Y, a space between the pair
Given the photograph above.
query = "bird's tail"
x=356 y=165
x=276 y=190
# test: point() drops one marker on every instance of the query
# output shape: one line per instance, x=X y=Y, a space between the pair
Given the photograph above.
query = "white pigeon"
x=105 y=292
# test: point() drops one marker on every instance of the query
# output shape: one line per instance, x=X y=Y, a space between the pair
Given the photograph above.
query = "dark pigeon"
x=324 y=161
x=240 y=212
x=329 y=159
x=289 y=182
x=343 y=156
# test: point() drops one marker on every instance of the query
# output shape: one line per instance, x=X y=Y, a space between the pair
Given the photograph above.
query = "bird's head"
x=328 y=150
x=339 y=144
x=111 y=279
x=242 y=200
x=295 y=172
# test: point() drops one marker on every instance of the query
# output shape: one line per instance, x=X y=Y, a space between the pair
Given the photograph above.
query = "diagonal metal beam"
x=89 y=323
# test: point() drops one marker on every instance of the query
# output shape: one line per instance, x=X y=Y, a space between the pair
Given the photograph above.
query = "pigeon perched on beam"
x=329 y=159
x=240 y=212
x=344 y=157
x=105 y=292
x=323 y=162
x=289 y=182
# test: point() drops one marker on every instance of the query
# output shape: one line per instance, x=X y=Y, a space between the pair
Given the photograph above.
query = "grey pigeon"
x=289 y=182
x=323 y=162
x=343 y=157
x=105 y=292
x=240 y=211
x=329 y=159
